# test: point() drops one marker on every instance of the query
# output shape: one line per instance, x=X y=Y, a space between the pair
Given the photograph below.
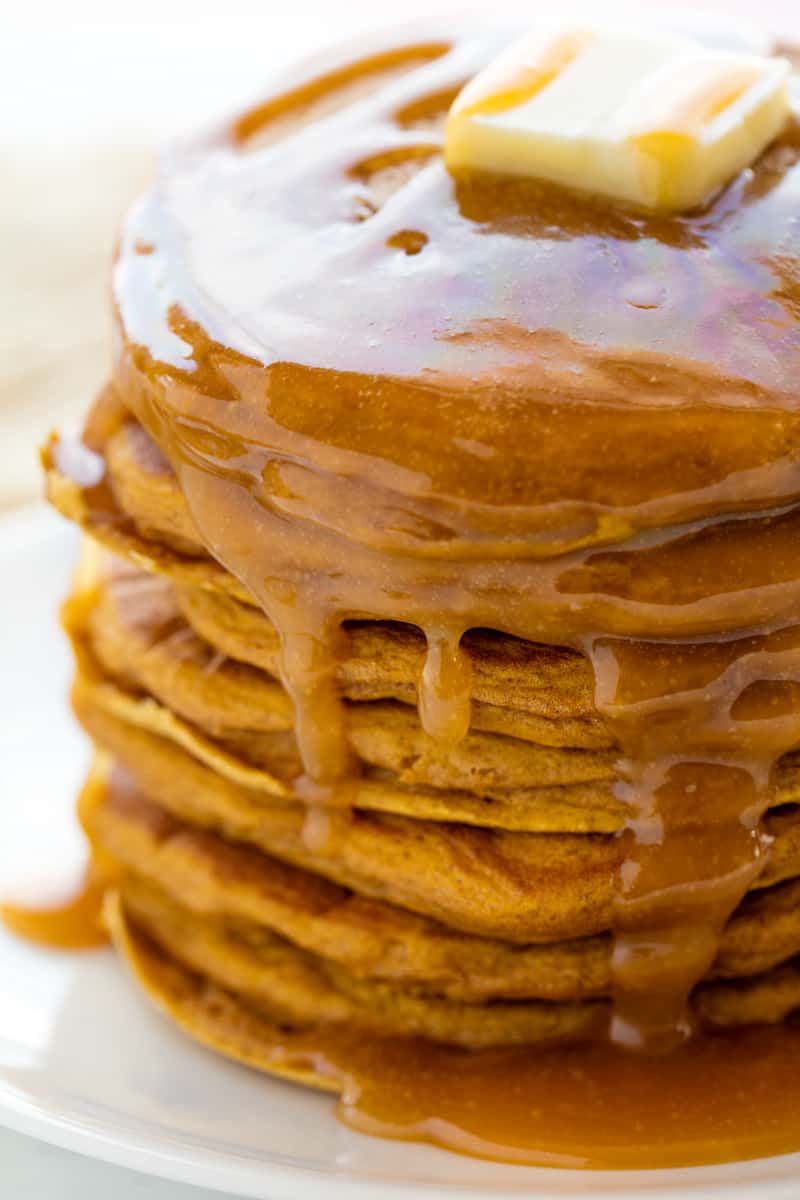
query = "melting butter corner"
x=655 y=120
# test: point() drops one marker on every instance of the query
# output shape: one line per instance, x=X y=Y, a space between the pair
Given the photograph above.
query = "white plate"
x=86 y=1064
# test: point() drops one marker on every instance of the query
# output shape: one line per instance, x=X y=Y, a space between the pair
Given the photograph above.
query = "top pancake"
x=416 y=336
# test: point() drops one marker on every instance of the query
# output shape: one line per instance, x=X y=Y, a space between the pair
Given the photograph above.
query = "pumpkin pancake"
x=211 y=1016
x=154 y=649
x=137 y=613
x=521 y=886
x=517 y=886
x=272 y=977
x=371 y=938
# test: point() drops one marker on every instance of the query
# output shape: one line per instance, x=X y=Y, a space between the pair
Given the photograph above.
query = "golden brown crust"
x=207 y=1014
x=273 y=977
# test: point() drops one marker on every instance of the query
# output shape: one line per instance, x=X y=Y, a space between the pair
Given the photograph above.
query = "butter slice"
x=654 y=119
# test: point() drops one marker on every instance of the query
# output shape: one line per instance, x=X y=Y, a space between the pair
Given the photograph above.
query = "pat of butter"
x=656 y=120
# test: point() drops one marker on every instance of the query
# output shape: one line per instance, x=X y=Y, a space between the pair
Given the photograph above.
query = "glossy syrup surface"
x=719 y=1098
x=392 y=394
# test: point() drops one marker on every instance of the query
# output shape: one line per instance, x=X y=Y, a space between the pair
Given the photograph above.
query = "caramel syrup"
x=74 y=924
x=716 y=1099
x=487 y=433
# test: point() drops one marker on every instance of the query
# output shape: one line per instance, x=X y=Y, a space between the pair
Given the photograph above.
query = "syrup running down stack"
x=440 y=634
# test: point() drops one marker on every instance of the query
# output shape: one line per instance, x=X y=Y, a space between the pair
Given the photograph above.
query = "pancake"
x=213 y=876
x=275 y=978
x=136 y=614
x=156 y=651
x=135 y=631
x=281 y=983
x=209 y=1015
x=678 y=559
x=478 y=880
x=510 y=811
x=502 y=668
x=521 y=886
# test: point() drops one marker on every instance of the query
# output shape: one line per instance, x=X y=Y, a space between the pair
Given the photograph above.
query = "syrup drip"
x=697 y=783
x=75 y=924
x=308 y=667
x=309 y=635
x=444 y=687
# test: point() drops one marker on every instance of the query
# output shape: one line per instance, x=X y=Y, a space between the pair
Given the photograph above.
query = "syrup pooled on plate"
x=592 y=1106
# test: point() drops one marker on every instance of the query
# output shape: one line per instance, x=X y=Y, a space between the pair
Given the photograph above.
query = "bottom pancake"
x=208 y=1014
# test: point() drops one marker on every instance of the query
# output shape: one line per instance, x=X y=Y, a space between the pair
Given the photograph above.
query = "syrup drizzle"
x=444 y=686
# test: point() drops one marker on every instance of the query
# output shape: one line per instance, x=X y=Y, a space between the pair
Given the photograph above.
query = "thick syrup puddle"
x=718 y=1098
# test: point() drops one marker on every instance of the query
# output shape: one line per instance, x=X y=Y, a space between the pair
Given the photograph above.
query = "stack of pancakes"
x=466 y=896
x=516 y=406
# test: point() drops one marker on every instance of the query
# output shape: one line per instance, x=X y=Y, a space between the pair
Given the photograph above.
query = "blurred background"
x=87 y=99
